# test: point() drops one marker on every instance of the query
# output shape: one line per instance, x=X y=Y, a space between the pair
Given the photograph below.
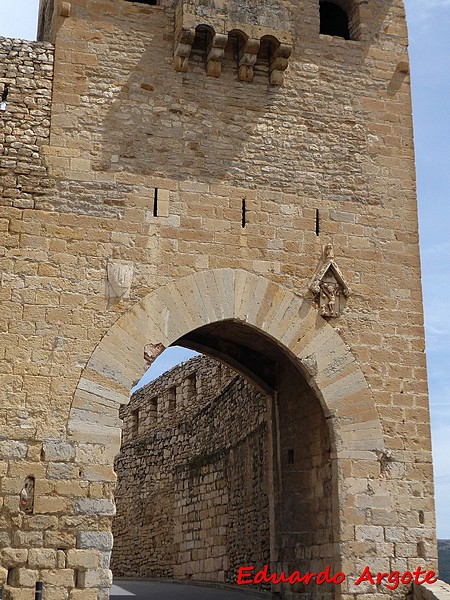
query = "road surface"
x=155 y=590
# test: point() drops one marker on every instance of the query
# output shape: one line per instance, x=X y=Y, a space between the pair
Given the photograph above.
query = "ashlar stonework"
x=217 y=186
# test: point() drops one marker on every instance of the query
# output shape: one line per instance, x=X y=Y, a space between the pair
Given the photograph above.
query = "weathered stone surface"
x=252 y=181
x=91 y=506
x=12 y=450
x=54 y=450
x=101 y=540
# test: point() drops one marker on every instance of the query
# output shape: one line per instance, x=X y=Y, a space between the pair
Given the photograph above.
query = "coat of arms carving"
x=329 y=286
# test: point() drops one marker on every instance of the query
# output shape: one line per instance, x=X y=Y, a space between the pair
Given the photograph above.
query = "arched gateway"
x=278 y=340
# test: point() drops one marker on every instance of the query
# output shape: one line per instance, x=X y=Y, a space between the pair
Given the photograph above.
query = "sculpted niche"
x=329 y=286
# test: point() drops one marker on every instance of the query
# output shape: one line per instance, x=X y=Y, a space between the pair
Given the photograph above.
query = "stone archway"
x=291 y=324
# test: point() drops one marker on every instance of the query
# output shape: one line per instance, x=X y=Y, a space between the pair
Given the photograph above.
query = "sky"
x=428 y=23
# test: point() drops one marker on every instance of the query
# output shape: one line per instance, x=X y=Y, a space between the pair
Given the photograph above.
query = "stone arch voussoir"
x=170 y=312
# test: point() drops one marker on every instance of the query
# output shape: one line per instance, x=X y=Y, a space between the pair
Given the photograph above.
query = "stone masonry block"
x=89 y=506
x=83 y=595
x=24 y=577
x=57 y=451
x=13 y=557
x=19 y=594
x=42 y=558
x=58 y=577
x=95 y=578
x=100 y=540
x=88 y=559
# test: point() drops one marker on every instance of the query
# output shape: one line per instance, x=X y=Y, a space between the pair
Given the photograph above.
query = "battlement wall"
x=27 y=69
x=192 y=495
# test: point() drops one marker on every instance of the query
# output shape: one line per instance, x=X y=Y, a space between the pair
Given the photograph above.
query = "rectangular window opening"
x=290 y=456
x=244 y=216
x=317 y=222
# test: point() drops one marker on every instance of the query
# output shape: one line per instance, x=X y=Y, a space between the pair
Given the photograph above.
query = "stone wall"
x=27 y=68
x=427 y=591
x=192 y=494
x=325 y=158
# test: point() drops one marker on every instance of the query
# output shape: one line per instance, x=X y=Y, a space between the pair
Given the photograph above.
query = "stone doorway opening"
x=226 y=462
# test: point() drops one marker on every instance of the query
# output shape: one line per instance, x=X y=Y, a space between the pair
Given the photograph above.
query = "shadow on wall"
x=156 y=121
x=162 y=122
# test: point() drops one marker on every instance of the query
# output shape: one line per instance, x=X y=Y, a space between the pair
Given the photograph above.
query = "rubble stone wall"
x=192 y=495
x=27 y=69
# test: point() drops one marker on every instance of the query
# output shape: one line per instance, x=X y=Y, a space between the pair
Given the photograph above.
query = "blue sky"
x=428 y=22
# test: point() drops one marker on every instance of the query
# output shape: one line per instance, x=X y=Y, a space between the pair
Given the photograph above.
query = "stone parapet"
x=432 y=591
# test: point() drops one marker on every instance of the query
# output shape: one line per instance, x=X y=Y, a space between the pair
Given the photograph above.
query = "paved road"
x=153 y=590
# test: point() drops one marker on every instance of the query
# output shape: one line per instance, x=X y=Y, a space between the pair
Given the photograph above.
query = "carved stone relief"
x=26 y=502
x=329 y=286
x=152 y=351
x=120 y=276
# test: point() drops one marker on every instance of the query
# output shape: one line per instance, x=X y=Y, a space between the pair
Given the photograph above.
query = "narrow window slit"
x=155 y=203
x=244 y=216
x=290 y=456
x=317 y=222
x=78 y=578
x=135 y=421
x=172 y=397
x=149 y=2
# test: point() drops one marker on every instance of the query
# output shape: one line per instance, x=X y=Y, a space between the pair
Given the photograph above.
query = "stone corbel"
x=65 y=9
x=247 y=59
x=215 y=56
x=183 y=50
x=279 y=63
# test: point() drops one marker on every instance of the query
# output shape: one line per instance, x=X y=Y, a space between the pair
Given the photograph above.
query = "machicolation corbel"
x=247 y=58
x=183 y=49
x=216 y=51
x=64 y=9
x=119 y=280
x=278 y=64
x=212 y=31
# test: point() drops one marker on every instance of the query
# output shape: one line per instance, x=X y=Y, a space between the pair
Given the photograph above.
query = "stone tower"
x=238 y=178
